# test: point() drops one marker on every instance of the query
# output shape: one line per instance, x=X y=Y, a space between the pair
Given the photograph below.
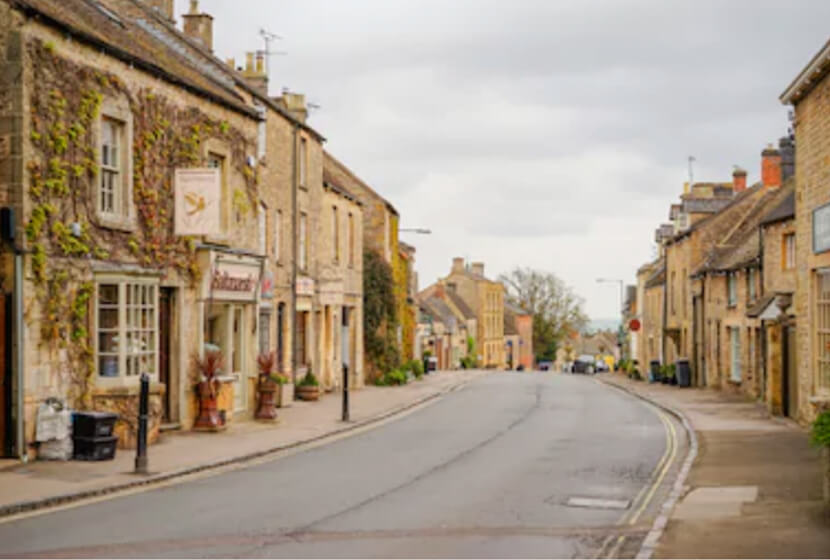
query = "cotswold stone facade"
x=810 y=96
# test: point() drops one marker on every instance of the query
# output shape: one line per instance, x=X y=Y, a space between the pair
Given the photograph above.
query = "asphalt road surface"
x=487 y=471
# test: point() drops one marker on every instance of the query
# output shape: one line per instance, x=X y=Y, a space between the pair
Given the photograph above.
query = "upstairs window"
x=335 y=225
x=350 y=241
x=262 y=228
x=303 y=163
x=277 y=235
x=303 y=242
x=732 y=289
x=788 y=252
x=750 y=285
x=112 y=168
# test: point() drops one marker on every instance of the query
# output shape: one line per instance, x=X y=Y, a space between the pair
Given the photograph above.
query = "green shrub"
x=820 y=430
x=417 y=368
x=396 y=377
x=279 y=379
x=309 y=380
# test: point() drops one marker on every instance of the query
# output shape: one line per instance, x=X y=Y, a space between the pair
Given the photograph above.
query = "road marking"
x=648 y=490
x=597 y=503
x=669 y=425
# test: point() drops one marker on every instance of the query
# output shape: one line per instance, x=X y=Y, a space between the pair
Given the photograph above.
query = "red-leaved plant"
x=208 y=367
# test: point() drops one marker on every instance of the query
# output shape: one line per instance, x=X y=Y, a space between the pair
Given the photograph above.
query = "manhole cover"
x=597 y=503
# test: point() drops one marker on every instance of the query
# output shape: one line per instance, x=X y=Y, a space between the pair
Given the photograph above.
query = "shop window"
x=788 y=252
x=822 y=314
x=126 y=341
x=301 y=318
x=265 y=332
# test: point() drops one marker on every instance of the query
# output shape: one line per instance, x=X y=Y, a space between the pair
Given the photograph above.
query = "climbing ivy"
x=62 y=175
x=380 y=317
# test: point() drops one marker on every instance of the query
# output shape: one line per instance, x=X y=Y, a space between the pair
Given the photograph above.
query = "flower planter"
x=209 y=419
x=267 y=407
x=825 y=471
x=308 y=392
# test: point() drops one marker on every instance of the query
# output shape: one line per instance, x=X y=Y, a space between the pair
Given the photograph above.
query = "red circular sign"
x=634 y=325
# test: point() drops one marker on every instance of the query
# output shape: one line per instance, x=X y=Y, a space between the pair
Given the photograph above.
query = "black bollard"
x=141 y=447
x=345 y=393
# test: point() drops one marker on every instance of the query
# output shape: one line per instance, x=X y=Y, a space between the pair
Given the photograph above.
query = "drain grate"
x=597 y=503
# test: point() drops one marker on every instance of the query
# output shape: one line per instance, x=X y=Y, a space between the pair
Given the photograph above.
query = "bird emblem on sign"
x=195 y=203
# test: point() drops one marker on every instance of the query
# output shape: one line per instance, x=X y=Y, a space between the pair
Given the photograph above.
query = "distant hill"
x=603 y=325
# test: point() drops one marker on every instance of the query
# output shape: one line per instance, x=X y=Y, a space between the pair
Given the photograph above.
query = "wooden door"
x=165 y=318
x=5 y=385
x=791 y=374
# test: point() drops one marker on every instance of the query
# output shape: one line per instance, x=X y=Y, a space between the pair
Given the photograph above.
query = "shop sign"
x=821 y=229
x=234 y=281
x=305 y=286
x=267 y=289
x=198 y=196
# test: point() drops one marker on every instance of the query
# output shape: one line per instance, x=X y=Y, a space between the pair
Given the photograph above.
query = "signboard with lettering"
x=821 y=229
x=198 y=197
x=305 y=286
x=234 y=281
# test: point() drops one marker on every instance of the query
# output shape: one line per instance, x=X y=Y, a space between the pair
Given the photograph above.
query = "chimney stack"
x=770 y=167
x=477 y=268
x=458 y=264
x=787 y=149
x=164 y=9
x=738 y=180
x=254 y=72
x=294 y=104
x=199 y=26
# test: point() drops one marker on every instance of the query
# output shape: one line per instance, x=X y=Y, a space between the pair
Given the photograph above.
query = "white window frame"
x=789 y=251
x=121 y=215
x=262 y=133
x=127 y=315
x=821 y=308
x=735 y=354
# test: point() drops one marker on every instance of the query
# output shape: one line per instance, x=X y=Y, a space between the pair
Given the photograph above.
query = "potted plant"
x=208 y=367
x=820 y=437
x=308 y=389
x=266 y=387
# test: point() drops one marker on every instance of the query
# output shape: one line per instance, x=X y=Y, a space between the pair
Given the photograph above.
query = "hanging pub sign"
x=821 y=229
x=198 y=197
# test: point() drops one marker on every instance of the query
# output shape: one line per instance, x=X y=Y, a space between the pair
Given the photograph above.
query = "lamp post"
x=422 y=231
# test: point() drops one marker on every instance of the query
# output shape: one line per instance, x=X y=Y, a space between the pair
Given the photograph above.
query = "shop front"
x=229 y=307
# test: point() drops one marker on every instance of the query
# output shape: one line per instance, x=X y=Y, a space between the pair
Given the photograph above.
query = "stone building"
x=459 y=320
x=105 y=287
x=486 y=298
x=809 y=94
x=776 y=312
x=650 y=280
x=518 y=334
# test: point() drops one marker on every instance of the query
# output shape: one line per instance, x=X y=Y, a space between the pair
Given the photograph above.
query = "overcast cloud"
x=535 y=133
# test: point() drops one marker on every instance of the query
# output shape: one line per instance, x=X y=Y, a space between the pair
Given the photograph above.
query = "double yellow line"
x=646 y=494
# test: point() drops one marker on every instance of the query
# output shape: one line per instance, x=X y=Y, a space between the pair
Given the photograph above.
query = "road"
x=487 y=471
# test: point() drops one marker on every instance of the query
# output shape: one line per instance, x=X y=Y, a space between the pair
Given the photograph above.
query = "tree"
x=556 y=308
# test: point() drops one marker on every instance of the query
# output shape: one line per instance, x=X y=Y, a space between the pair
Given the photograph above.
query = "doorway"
x=166 y=298
x=789 y=382
x=6 y=423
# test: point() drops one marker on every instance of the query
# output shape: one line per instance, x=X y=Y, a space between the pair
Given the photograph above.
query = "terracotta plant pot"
x=209 y=418
x=267 y=409
x=307 y=392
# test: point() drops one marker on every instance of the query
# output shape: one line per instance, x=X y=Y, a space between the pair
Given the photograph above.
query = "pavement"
x=511 y=465
x=26 y=487
x=755 y=487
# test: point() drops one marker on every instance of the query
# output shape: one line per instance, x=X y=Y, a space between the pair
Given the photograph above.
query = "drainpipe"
x=19 y=339
x=295 y=240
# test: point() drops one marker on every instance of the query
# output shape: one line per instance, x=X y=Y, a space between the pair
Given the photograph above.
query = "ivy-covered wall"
x=66 y=87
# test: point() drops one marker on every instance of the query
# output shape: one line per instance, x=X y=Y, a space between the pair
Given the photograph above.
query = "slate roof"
x=330 y=161
x=741 y=246
x=462 y=306
x=438 y=309
x=782 y=212
x=135 y=33
x=332 y=183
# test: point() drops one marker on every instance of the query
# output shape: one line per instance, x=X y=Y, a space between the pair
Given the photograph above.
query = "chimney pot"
x=477 y=268
x=770 y=167
x=199 y=26
x=738 y=180
x=260 y=63
x=458 y=264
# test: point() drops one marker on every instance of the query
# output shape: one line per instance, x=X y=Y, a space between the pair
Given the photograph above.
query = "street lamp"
x=422 y=231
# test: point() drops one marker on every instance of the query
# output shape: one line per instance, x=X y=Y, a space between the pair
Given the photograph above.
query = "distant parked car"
x=601 y=365
x=584 y=364
x=545 y=366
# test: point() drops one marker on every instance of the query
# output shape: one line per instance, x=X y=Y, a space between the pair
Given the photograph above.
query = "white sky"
x=547 y=134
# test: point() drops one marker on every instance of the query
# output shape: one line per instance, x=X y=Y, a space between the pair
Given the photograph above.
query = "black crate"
x=93 y=424
x=94 y=449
